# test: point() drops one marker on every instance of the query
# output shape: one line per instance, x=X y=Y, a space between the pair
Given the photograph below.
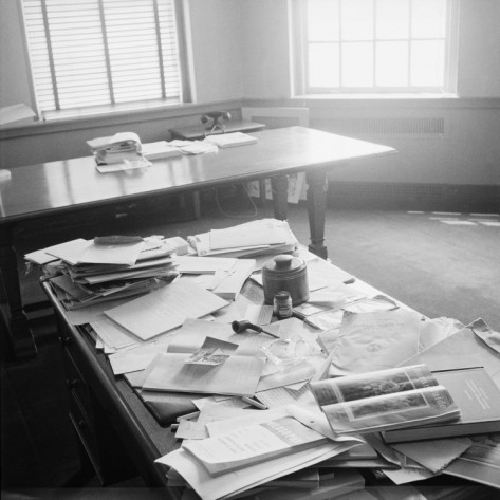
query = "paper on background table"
x=238 y=375
x=166 y=308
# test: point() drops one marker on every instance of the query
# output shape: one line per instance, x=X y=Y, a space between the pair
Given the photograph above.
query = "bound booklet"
x=478 y=398
x=231 y=139
x=386 y=399
x=253 y=444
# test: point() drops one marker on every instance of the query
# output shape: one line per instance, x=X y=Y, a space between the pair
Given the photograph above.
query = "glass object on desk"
x=284 y=352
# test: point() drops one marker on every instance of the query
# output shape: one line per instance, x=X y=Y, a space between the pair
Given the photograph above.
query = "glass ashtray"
x=286 y=351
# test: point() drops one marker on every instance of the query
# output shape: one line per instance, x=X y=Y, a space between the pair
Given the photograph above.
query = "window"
x=95 y=56
x=375 y=46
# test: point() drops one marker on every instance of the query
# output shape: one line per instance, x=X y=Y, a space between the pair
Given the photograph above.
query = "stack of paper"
x=123 y=148
x=265 y=236
x=91 y=273
x=159 y=150
x=235 y=458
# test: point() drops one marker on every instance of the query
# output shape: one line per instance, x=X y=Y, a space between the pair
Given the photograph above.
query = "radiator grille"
x=423 y=126
x=277 y=121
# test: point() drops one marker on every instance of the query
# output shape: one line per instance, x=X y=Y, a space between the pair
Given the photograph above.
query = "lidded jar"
x=285 y=273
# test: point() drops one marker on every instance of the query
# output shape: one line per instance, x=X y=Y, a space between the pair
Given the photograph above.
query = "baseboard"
x=414 y=196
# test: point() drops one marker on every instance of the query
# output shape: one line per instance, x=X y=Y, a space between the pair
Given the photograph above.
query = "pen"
x=253 y=402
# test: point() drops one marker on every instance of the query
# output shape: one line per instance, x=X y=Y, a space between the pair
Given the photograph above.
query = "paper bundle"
x=120 y=147
x=265 y=236
x=90 y=273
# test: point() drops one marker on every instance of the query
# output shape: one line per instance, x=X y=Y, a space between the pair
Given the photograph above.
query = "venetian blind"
x=102 y=54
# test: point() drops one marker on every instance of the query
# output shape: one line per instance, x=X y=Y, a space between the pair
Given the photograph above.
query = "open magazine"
x=387 y=399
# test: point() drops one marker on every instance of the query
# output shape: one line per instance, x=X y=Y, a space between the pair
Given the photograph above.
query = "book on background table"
x=383 y=400
x=478 y=398
x=159 y=150
x=231 y=139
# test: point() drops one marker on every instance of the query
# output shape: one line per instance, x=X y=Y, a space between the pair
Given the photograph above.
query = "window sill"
x=117 y=118
x=388 y=101
x=375 y=96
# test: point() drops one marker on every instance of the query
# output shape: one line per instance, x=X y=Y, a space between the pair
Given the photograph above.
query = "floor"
x=437 y=267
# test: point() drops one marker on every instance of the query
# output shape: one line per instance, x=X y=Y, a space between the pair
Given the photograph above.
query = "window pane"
x=392 y=19
x=356 y=19
x=125 y=21
x=323 y=21
x=88 y=53
x=427 y=63
x=323 y=65
x=391 y=64
x=357 y=64
x=428 y=19
x=86 y=46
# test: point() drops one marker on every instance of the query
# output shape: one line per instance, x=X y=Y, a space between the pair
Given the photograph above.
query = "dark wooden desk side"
x=117 y=432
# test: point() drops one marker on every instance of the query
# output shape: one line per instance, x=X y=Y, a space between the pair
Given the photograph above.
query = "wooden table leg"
x=280 y=196
x=317 y=181
x=17 y=332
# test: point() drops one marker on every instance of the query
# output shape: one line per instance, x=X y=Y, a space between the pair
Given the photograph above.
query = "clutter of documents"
x=282 y=408
x=126 y=151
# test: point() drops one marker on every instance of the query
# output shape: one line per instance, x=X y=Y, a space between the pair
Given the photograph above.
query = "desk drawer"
x=76 y=383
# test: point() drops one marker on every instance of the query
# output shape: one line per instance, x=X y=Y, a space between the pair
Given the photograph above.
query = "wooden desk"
x=120 y=435
x=50 y=189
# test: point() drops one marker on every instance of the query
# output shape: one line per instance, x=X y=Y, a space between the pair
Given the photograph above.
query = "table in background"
x=52 y=189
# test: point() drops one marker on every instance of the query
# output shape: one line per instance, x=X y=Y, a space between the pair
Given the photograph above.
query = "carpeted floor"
x=438 y=268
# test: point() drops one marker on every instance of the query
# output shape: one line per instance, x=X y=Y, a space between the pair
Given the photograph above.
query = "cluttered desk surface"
x=278 y=406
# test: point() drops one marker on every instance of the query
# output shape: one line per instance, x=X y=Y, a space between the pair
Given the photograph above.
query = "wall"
x=14 y=88
x=466 y=152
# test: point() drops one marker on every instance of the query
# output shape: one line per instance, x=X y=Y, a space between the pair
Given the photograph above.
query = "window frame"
x=299 y=58
x=185 y=76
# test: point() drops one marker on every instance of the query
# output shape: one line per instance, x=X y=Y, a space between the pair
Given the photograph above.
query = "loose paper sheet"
x=375 y=341
x=434 y=454
x=165 y=309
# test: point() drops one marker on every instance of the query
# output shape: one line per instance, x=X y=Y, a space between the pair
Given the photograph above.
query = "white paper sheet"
x=165 y=309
